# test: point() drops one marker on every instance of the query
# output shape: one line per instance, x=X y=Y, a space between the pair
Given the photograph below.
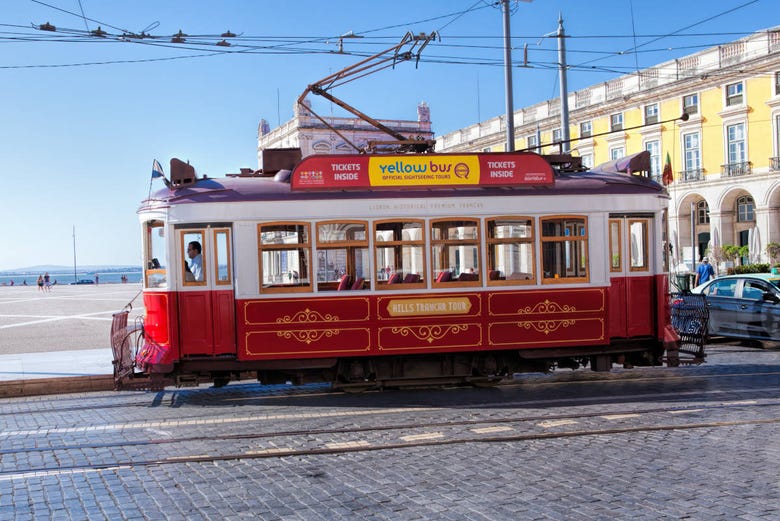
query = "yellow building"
x=725 y=156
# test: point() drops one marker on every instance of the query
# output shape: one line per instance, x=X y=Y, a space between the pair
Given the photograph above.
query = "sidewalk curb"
x=43 y=386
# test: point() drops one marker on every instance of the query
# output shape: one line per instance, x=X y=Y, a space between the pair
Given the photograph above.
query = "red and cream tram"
x=384 y=270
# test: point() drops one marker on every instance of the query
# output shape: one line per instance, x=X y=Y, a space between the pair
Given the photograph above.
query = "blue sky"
x=82 y=119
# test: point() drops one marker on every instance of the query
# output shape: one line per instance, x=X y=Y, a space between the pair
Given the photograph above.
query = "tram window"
x=194 y=263
x=399 y=253
x=155 y=272
x=564 y=249
x=285 y=249
x=639 y=245
x=222 y=265
x=342 y=256
x=510 y=255
x=455 y=251
x=615 y=247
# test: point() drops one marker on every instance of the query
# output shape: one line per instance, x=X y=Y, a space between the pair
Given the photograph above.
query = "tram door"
x=632 y=291
x=206 y=300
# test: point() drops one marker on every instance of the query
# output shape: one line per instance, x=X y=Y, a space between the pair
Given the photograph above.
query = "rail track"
x=75 y=449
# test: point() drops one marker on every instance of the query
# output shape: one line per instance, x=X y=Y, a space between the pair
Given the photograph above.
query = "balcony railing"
x=694 y=174
x=736 y=169
x=774 y=163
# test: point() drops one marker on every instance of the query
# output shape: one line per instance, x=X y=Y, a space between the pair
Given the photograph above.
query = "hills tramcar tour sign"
x=343 y=172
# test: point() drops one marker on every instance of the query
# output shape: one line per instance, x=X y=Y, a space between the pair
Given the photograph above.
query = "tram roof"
x=248 y=189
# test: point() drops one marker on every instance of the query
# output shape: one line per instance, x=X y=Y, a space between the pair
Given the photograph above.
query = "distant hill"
x=53 y=268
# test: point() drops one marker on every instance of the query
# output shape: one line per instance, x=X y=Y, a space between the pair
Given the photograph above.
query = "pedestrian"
x=97 y=279
x=704 y=272
x=47 y=281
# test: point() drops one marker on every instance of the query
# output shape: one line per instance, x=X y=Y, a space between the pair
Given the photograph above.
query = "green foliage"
x=773 y=250
x=730 y=252
x=752 y=268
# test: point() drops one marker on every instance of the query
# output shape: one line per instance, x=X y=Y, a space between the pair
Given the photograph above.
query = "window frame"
x=474 y=242
x=736 y=98
x=183 y=242
x=589 y=131
x=580 y=239
x=351 y=247
x=616 y=121
x=399 y=244
x=229 y=261
x=645 y=266
x=616 y=247
x=749 y=214
x=152 y=270
x=306 y=246
x=690 y=108
x=653 y=112
x=492 y=262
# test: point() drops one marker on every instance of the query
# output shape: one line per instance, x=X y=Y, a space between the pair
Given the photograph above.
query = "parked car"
x=744 y=306
x=83 y=281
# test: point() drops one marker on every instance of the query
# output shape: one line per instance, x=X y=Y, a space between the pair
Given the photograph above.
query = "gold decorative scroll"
x=546 y=326
x=429 y=333
x=307 y=316
x=547 y=307
x=308 y=336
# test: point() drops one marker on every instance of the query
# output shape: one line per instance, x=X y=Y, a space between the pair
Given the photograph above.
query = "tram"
x=390 y=270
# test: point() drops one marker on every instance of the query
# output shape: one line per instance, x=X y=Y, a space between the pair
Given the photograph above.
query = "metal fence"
x=690 y=318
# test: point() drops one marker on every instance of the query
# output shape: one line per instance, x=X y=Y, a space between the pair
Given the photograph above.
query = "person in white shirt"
x=195 y=266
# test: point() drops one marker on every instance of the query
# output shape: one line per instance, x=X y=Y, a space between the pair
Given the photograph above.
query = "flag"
x=157 y=170
x=667 y=176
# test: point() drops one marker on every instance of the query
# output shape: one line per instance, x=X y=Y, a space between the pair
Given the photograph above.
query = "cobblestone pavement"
x=687 y=443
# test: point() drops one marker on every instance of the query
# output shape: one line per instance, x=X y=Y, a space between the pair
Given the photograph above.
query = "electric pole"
x=510 y=111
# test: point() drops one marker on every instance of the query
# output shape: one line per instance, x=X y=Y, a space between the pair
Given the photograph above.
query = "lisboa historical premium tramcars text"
x=385 y=270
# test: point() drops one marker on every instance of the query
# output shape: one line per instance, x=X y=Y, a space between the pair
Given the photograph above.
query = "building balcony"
x=689 y=176
x=774 y=163
x=736 y=169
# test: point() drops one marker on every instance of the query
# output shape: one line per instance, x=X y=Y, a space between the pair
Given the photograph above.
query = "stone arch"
x=682 y=229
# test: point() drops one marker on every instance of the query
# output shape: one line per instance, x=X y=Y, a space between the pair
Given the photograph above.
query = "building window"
x=616 y=153
x=651 y=113
x=510 y=244
x=587 y=160
x=734 y=94
x=556 y=135
x=533 y=142
x=777 y=84
x=691 y=104
x=455 y=251
x=745 y=209
x=735 y=135
x=586 y=129
x=616 y=121
x=702 y=212
x=654 y=147
x=692 y=151
x=564 y=249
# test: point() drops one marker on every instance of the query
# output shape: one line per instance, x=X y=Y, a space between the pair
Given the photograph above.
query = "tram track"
x=378 y=437
x=344 y=448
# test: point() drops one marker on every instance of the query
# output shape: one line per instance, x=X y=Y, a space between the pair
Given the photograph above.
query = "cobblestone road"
x=688 y=443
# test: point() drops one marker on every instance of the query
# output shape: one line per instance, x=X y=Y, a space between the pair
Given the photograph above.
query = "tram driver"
x=195 y=266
